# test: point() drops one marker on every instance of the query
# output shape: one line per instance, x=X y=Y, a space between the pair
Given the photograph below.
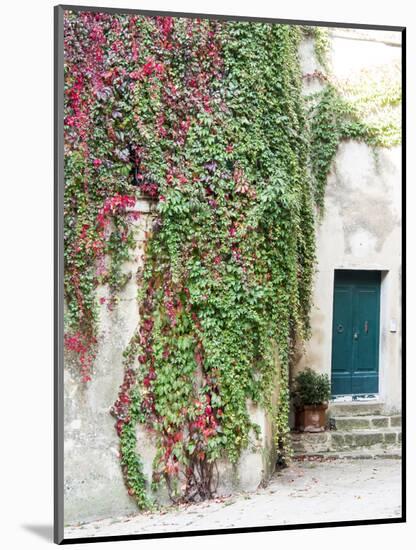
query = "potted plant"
x=311 y=393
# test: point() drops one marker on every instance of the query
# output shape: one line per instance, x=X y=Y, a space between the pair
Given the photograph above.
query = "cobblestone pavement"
x=307 y=492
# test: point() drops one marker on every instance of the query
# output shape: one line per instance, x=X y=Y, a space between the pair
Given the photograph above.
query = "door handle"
x=355 y=335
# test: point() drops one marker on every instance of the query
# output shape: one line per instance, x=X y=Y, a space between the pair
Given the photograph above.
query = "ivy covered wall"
x=208 y=120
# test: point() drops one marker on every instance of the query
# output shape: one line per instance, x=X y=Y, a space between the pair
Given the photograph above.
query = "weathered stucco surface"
x=94 y=485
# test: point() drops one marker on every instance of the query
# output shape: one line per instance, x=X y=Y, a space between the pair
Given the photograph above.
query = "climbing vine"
x=208 y=119
x=321 y=43
x=365 y=108
x=333 y=119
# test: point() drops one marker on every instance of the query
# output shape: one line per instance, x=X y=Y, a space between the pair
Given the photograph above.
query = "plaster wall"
x=93 y=482
x=361 y=225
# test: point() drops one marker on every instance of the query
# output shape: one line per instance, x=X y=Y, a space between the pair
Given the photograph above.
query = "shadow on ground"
x=45 y=532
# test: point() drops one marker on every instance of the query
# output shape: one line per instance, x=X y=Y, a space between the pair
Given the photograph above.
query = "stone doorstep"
x=395 y=421
x=364 y=438
x=336 y=441
x=366 y=422
x=361 y=430
x=357 y=408
x=394 y=453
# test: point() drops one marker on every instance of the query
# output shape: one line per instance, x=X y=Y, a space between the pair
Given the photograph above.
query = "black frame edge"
x=403 y=281
x=222 y=17
x=233 y=531
x=58 y=526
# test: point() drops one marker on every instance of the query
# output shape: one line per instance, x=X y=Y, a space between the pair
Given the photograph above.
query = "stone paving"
x=308 y=492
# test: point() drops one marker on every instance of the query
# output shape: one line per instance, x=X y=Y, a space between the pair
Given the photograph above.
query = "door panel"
x=341 y=338
x=355 y=334
x=365 y=373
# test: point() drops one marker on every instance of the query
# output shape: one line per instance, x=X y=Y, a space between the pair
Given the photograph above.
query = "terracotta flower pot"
x=311 y=418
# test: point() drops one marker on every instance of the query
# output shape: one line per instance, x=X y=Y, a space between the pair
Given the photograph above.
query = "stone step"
x=344 y=441
x=307 y=443
x=350 y=423
x=394 y=453
x=357 y=408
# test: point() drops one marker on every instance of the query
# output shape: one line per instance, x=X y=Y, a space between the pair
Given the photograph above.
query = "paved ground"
x=307 y=492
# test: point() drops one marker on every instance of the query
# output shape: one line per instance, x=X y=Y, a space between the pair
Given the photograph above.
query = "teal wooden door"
x=355 y=332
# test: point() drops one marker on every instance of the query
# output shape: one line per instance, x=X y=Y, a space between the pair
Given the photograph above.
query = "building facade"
x=356 y=314
x=355 y=318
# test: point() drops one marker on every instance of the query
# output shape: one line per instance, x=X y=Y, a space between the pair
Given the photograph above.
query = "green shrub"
x=311 y=388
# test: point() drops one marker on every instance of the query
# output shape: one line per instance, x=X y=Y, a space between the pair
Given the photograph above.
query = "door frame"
x=383 y=304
